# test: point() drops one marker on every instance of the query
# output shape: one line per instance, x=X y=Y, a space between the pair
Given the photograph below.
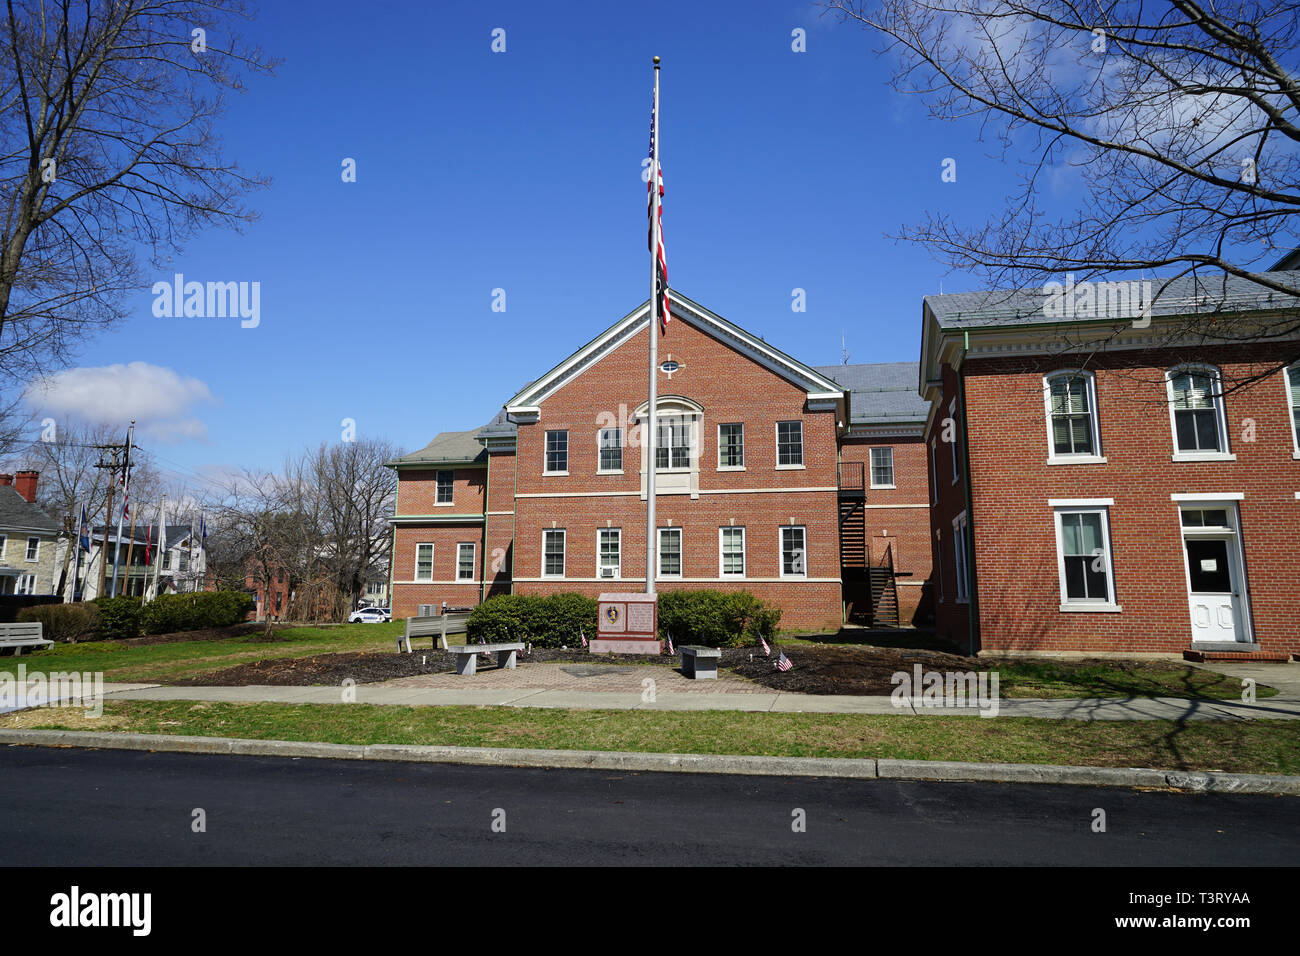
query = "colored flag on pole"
x=655 y=211
x=84 y=534
x=670 y=645
x=148 y=543
x=583 y=635
x=763 y=644
x=783 y=662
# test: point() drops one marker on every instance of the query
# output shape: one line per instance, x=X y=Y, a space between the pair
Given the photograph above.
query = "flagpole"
x=162 y=538
x=126 y=494
x=652 y=442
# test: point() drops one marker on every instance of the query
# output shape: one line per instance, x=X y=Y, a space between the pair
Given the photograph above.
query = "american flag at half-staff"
x=655 y=211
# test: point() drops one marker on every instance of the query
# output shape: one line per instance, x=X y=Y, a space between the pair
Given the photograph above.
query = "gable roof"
x=19 y=514
x=530 y=397
x=446 y=448
x=880 y=394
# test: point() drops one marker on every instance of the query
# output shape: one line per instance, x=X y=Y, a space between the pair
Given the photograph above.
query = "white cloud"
x=159 y=399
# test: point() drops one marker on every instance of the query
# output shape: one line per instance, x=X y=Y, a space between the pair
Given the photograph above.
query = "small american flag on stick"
x=583 y=635
x=783 y=662
x=670 y=645
x=763 y=644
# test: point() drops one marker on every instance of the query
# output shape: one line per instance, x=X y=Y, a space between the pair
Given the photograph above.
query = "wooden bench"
x=467 y=655
x=437 y=626
x=700 y=663
x=19 y=636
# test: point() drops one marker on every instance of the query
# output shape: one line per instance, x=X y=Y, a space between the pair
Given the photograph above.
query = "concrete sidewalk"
x=1141 y=708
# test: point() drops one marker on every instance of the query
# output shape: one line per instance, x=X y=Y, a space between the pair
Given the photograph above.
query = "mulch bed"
x=839 y=670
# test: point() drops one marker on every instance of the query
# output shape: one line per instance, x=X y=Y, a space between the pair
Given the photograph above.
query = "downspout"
x=973 y=607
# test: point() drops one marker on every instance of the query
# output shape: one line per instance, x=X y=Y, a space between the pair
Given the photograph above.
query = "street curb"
x=1209 y=781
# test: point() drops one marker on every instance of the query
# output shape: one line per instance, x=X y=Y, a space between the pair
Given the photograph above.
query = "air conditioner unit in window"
x=607 y=572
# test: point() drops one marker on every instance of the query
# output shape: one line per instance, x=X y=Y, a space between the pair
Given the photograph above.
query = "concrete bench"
x=437 y=626
x=26 y=634
x=467 y=655
x=700 y=663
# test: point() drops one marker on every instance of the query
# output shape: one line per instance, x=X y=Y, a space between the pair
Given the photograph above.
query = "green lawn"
x=1073 y=679
x=1264 y=746
x=152 y=663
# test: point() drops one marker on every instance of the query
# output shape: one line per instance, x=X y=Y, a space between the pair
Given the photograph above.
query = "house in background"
x=29 y=538
x=550 y=495
x=1115 y=484
x=181 y=570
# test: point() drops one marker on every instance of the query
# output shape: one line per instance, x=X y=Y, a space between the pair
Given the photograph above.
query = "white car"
x=370 y=615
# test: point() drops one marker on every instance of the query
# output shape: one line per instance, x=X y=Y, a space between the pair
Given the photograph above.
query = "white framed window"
x=731 y=447
x=424 y=561
x=934 y=472
x=882 y=468
x=610 y=444
x=938 y=561
x=731 y=552
x=33 y=549
x=445 y=481
x=1073 y=432
x=1292 y=381
x=670 y=552
x=794 y=551
x=675 y=443
x=465 y=561
x=26 y=584
x=956 y=441
x=553 y=553
x=557 y=453
x=789 y=444
x=1196 y=414
x=961 y=556
x=3 y=542
x=609 y=552
x=1083 y=557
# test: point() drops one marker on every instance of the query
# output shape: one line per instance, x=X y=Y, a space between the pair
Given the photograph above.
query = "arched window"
x=1071 y=401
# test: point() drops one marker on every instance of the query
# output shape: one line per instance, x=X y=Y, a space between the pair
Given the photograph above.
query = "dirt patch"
x=235 y=631
x=839 y=670
x=369 y=668
x=72 y=718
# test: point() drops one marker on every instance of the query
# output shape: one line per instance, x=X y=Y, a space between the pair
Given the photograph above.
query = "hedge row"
x=117 y=618
x=711 y=618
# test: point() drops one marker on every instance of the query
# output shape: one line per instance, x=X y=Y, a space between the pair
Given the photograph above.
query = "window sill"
x=961 y=600
x=1078 y=460
x=600 y=471
x=1203 y=456
x=1096 y=608
x=794 y=577
x=882 y=487
x=791 y=467
x=444 y=504
x=1296 y=455
x=731 y=468
x=557 y=474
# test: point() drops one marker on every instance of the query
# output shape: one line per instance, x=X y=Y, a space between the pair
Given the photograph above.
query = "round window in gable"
x=668 y=367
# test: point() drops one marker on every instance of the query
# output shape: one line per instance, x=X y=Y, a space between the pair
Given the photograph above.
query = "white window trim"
x=1210 y=498
x=618 y=568
x=1090 y=382
x=803 y=448
x=961 y=558
x=934 y=471
x=564 y=552
x=744 y=555
x=1290 y=412
x=1221 y=416
x=659 y=551
x=1085 y=506
x=34 y=558
x=444 y=504
x=546 y=455
x=25 y=588
x=871 y=468
x=473 y=563
x=600 y=444
x=415 y=572
x=952 y=414
x=780 y=551
x=741 y=466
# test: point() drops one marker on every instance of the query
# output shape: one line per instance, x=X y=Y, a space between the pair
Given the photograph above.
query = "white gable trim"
x=818 y=386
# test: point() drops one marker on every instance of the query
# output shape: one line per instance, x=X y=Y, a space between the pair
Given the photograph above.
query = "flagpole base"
x=627 y=646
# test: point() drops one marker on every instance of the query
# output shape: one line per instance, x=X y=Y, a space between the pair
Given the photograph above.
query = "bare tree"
x=107 y=114
x=1180 y=120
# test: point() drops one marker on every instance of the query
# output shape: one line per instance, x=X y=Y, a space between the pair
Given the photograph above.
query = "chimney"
x=6 y=481
x=25 y=484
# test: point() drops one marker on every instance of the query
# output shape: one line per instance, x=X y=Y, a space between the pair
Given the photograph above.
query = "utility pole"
x=111 y=466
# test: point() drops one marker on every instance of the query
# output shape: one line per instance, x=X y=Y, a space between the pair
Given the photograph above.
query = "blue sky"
x=521 y=171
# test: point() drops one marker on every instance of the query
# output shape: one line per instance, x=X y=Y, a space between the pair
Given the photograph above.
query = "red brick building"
x=550 y=496
x=1118 y=482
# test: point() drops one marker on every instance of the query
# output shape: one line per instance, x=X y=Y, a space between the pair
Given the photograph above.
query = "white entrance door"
x=1214 y=588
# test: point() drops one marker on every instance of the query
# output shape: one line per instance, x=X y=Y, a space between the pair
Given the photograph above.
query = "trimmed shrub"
x=716 y=618
x=64 y=622
x=119 y=617
x=190 y=612
x=553 y=621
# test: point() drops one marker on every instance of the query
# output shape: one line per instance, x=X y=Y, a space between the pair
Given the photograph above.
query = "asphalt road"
x=88 y=807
